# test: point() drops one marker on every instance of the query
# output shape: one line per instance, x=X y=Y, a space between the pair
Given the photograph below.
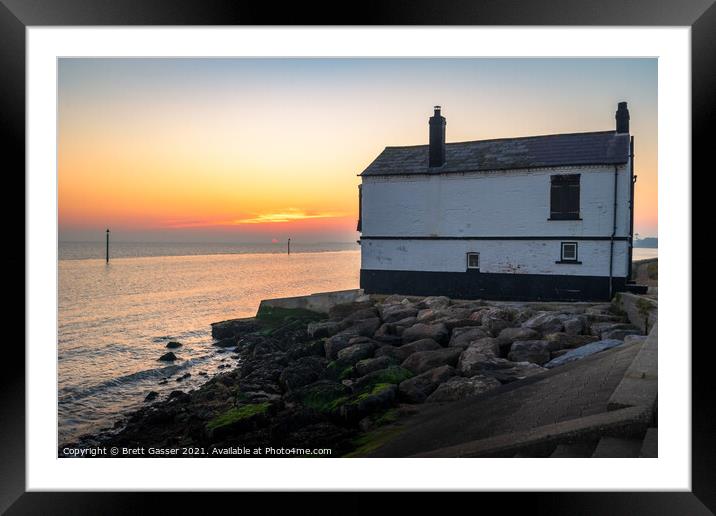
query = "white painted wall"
x=503 y=203
x=496 y=256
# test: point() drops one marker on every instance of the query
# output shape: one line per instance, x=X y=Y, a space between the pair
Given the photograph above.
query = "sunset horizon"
x=250 y=150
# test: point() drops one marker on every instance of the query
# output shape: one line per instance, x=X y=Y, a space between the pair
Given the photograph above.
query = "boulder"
x=582 y=352
x=496 y=319
x=438 y=332
x=354 y=353
x=395 y=299
x=641 y=311
x=392 y=374
x=424 y=360
x=320 y=329
x=462 y=337
x=306 y=349
x=362 y=314
x=343 y=339
x=619 y=334
x=574 y=325
x=418 y=388
x=506 y=371
x=473 y=358
x=379 y=397
x=545 y=322
x=562 y=340
x=394 y=313
x=435 y=302
x=234 y=327
x=395 y=353
x=173 y=345
x=368 y=365
x=151 y=396
x=535 y=351
x=459 y=387
x=365 y=327
x=168 y=357
x=228 y=342
x=509 y=335
x=419 y=345
x=303 y=371
x=340 y=311
x=600 y=328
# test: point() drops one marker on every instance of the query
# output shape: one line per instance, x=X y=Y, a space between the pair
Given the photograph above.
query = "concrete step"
x=650 y=445
x=573 y=451
x=617 y=447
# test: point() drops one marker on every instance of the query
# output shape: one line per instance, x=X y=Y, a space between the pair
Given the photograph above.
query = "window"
x=569 y=253
x=564 y=197
x=473 y=260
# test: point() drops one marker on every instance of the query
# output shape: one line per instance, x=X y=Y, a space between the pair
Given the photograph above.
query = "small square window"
x=569 y=252
x=473 y=260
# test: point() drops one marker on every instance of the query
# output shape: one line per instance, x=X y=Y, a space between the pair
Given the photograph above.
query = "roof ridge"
x=502 y=139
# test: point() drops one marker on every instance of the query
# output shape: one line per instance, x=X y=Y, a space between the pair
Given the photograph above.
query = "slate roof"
x=595 y=148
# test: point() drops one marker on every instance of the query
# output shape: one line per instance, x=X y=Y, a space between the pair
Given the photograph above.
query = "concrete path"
x=575 y=390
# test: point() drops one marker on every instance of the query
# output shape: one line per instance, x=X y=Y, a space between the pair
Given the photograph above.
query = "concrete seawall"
x=320 y=302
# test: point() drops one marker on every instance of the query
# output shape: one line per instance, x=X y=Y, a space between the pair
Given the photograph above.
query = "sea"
x=116 y=318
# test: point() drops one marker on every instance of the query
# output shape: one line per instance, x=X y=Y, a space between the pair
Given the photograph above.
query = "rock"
x=324 y=396
x=435 y=302
x=497 y=319
x=631 y=339
x=438 y=332
x=395 y=299
x=462 y=337
x=535 y=351
x=424 y=360
x=393 y=352
x=380 y=397
x=173 y=345
x=151 y=396
x=394 y=313
x=506 y=371
x=619 y=334
x=545 y=322
x=458 y=387
x=177 y=395
x=368 y=365
x=354 y=353
x=643 y=312
x=320 y=329
x=306 y=349
x=168 y=357
x=418 y=388
x=419 y=345
x=425 y=315
x=342 y=310
x=394 y=329
x=365 y=327
x=338 y=342
x=599 y=329
x=300 y=372
x=362 y=314
x=452 y=323
x=473 y=359
x=574 y=325
x=509 y=335
x=561 y=340
x=582 y=352
x=392 y=374
x=228 y=342
x=234 y=327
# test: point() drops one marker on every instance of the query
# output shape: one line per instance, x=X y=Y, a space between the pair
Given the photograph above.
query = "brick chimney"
x=437 y=139
x=622 y=117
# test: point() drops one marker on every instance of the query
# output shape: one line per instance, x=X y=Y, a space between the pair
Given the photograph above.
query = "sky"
x=259 y=150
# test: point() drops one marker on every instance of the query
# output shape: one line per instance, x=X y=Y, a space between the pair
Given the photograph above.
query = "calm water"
x=115 y=319
x=643 y=253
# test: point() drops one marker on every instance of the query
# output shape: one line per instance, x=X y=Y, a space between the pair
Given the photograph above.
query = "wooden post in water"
x=289 y=246
x=107 y=247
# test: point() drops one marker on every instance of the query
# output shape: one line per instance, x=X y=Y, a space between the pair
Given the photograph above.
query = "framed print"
x=319 y=257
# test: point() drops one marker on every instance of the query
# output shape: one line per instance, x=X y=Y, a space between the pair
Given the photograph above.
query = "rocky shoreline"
x=310 y=380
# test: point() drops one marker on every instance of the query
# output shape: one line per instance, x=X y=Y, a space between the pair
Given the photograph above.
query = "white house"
x=530 y=218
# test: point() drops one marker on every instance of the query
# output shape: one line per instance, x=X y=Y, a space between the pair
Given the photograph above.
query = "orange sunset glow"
x=251 y=150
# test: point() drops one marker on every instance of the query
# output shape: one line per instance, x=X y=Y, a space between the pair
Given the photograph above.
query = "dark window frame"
x=359 y=226
x=565 y=197
x=574 y=260
x=467 y=260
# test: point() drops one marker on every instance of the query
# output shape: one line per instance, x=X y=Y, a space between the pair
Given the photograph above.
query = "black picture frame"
x=17 y=15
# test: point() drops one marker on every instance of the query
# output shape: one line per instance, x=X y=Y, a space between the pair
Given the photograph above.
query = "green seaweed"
x=272 y=318
x=324 y=399
x=237 y=414
x=370 y=441
x=392 y=374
